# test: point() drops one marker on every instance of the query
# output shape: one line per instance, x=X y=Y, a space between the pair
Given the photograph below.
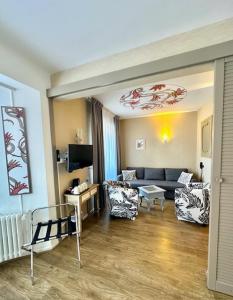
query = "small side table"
x=152 y=193
x=78 y=200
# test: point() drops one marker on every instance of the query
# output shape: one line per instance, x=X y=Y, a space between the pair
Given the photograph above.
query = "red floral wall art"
x=15 y=140
x=153 y=97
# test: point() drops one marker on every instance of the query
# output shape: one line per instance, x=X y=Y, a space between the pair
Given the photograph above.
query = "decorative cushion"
x=129 y=174
x=185 y=178
x=154 y=173
x=139 y=172
x=172 y=174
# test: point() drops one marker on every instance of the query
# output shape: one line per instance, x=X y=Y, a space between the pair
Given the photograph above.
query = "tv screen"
x=79 y=156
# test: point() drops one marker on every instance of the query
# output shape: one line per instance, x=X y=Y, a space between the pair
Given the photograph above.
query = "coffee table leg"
x=140 y=200
x=148 y=204
x=162 y=203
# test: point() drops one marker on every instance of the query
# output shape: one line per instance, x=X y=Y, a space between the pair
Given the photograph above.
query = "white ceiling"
x=199 y=88
x=64 y=34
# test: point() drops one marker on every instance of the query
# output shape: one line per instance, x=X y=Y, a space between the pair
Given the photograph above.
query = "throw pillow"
x=129 y=174
x=185 y=178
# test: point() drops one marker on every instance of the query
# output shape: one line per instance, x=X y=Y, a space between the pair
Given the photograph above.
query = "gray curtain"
x=118 y=145
x=98 y=146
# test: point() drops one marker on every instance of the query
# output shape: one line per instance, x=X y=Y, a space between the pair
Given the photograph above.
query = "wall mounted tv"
x=79 y=156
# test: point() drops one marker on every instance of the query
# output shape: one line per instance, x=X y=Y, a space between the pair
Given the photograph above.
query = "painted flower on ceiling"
x=157 y=96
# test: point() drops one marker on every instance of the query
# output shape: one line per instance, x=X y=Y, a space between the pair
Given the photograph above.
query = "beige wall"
x=180 y=151
x=205 y=112
x=68 y=117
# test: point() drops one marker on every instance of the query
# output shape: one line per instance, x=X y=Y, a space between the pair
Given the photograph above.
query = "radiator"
x=14 y=232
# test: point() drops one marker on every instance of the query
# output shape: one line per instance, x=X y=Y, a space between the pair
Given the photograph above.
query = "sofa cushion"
x=154 y=173
x=139 y=172
x=170 y=185
x=166 y=185
x=172 y=174
x=140 y=182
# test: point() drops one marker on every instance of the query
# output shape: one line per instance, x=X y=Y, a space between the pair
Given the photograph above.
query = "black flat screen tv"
x=79 y=156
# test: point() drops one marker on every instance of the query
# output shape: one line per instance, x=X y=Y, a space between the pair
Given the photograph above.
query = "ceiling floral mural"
x=153 y=97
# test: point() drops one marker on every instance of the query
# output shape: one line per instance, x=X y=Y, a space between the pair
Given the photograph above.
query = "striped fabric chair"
x=122 y=200
x=192 y=203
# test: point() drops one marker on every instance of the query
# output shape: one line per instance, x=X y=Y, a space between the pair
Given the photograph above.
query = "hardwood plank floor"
x=154 y=257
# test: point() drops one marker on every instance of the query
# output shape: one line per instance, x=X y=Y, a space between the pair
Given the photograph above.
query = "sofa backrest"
x=168 y=174
x=139 y=172
x=173 y=174
x=154 y=174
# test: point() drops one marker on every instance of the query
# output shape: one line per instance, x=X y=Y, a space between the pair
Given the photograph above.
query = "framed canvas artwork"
x=140 y=144
x=16 y=148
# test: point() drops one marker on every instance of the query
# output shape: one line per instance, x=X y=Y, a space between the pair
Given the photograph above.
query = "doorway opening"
x=175 y=127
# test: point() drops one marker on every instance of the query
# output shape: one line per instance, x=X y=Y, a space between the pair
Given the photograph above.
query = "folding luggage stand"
x=35 y=239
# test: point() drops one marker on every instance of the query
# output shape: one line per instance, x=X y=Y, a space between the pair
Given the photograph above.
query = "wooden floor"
x=154 y=257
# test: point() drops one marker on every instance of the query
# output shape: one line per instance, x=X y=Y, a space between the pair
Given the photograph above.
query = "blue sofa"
x=166 y=178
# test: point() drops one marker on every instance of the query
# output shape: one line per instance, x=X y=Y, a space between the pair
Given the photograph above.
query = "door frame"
x=215 y=173
x=212 y=54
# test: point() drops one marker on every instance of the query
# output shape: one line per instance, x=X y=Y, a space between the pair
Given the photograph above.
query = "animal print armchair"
x=121 y=199
x=192 y=203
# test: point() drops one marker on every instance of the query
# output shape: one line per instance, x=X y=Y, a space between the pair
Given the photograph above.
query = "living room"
x=116 y=150
x=165 y=138
x=171 y=133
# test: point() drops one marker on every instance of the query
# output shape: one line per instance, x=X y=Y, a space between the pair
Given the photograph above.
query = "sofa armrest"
x=193 y=189
x=199 y=185
x=120 y=177
x=115 y=184
x=195 y=179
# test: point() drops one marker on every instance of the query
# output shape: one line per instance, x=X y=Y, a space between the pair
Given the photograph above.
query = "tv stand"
x=78 y=200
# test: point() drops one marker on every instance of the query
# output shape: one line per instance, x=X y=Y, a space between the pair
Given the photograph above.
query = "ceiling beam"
x=184 y=60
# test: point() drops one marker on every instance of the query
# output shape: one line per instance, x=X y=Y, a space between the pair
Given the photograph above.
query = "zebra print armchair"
x=122 y=200
x=192 y=203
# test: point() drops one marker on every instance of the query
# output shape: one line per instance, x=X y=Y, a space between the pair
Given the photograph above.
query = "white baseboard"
x=224 y=288
x=91 y=212
x=43 y=247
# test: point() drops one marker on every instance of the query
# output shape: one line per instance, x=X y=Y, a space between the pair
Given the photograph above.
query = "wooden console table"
x=78 y=200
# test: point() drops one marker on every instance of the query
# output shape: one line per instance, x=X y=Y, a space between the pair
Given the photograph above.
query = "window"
x=110 y=155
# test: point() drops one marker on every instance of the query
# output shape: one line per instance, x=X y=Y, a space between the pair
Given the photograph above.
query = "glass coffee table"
x=151 y=193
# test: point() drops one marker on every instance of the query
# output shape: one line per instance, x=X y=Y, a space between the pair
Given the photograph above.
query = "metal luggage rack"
x=36 y=239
